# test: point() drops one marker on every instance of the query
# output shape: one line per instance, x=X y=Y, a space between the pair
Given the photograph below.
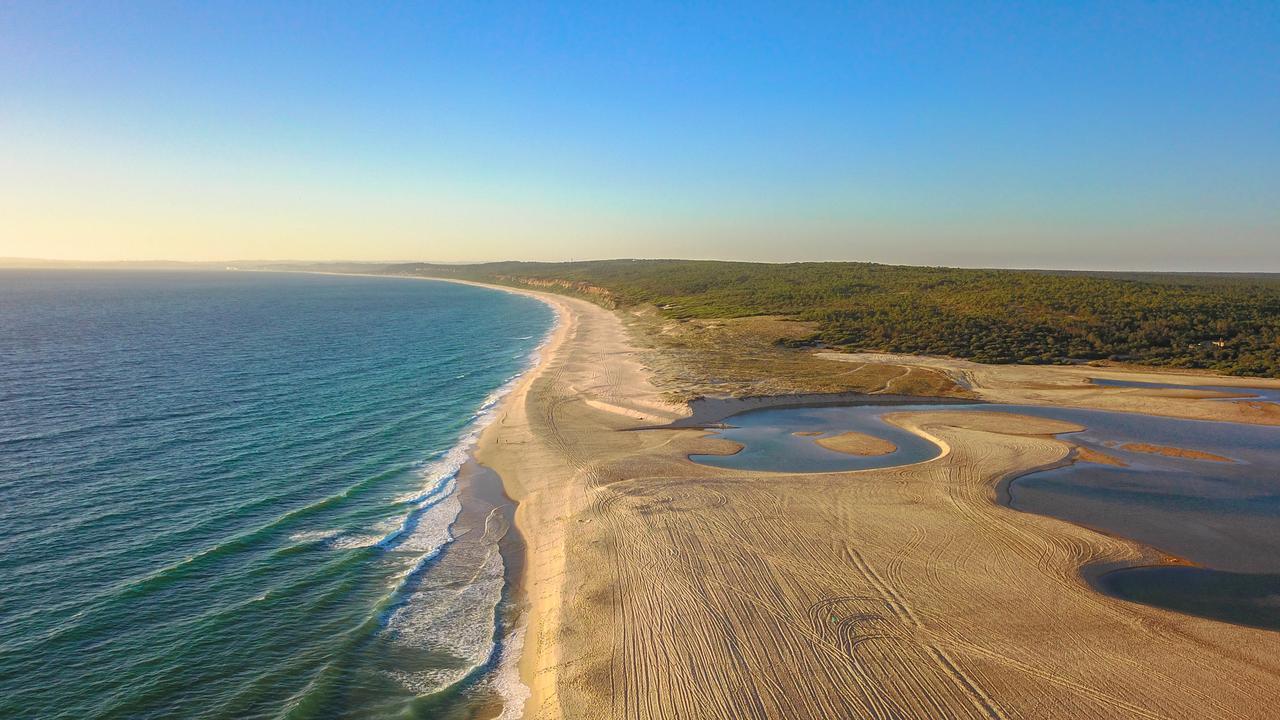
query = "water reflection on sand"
x=1223 y=516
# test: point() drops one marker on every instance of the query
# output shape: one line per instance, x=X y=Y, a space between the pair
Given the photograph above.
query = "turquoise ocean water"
x=233 y=495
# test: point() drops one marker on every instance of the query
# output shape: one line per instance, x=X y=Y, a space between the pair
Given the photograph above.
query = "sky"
x=1108 y=135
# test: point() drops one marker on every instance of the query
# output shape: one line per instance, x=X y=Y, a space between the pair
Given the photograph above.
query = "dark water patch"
x=1239 y=598
x=1216 y=514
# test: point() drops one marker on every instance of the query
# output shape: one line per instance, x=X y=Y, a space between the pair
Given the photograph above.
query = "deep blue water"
x=232 y=495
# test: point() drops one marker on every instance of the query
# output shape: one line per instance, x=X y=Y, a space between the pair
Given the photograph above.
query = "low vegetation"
x=1229 y=323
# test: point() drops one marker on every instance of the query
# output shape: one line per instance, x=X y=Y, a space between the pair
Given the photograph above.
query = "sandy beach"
x=604 y=361
x=661 y=588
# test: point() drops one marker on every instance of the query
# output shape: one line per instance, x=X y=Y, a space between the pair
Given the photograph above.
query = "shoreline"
x=622 y=536
x=531 y=606
x=481 y=486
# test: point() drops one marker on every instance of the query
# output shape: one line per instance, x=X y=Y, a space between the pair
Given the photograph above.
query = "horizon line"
x=14 y=262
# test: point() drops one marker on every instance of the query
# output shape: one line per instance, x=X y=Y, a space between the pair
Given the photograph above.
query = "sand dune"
x=660 y=588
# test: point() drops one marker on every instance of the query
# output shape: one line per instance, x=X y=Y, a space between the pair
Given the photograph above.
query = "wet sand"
x=486 y=522
x=1097 y=457
x=660 y=588
x=1174 y=452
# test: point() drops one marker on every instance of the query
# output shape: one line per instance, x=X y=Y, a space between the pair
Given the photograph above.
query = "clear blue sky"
x=1073 y=134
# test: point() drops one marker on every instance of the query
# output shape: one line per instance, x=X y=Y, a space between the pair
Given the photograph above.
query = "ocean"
x=235 y=495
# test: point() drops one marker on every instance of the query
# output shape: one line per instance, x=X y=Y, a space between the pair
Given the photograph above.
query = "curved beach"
x=661 y=588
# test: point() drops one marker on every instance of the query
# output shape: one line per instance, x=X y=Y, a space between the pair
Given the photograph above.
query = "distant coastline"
x=830 y=582
x=1196 y=321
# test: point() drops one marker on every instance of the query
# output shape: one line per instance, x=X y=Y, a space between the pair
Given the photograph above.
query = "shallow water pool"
x=1223 y=516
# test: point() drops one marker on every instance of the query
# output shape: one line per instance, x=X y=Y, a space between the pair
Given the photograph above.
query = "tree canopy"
x=1229 y=323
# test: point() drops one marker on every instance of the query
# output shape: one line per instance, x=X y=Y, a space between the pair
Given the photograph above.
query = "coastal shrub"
x=1224 y=322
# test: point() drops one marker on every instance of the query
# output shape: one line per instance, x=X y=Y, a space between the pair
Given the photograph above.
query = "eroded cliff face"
x=595 y=292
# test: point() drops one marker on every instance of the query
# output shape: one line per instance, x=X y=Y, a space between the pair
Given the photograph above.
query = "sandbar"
x=856 y=443
x=1090 y=455
x=1167 y=451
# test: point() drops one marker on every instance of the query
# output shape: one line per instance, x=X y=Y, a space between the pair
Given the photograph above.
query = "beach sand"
x=1150 y=449
x=661 y=588
x=856 y=443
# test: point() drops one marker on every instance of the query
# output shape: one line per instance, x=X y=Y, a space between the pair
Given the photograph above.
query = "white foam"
x=447 y=612
x=505 y=680
x=411 y=521
x=310 y=536
x=354 y=541
x=431 y=529
x=454 y=616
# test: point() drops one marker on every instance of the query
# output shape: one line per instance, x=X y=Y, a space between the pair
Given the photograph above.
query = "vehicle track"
x=667 y=589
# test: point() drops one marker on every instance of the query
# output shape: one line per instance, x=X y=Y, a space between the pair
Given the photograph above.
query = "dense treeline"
x=1221 y=322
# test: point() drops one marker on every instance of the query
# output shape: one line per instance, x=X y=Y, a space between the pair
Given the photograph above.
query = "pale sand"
x=661 y=588
x=856 y=443
x=1069 y=386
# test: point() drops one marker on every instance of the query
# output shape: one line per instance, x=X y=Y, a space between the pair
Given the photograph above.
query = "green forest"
x=1229 y=323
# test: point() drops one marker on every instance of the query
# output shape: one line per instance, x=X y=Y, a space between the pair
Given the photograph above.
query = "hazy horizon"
x=37 y=263
x=1093 y=136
